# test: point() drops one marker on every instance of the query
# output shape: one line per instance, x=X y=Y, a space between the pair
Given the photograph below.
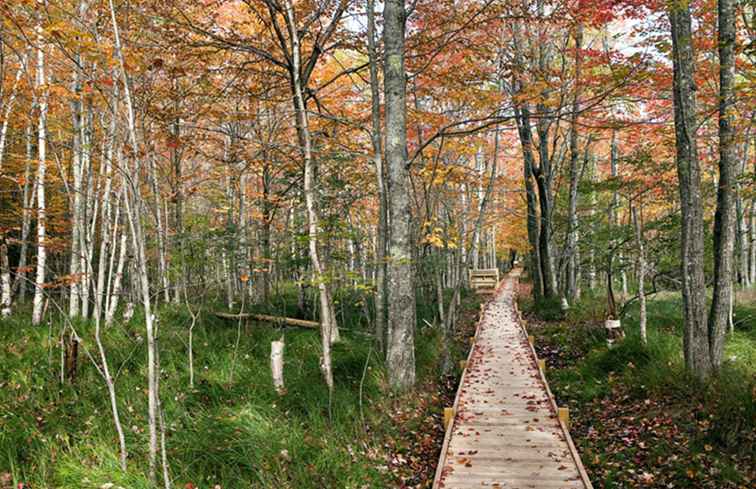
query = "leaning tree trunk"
x=400 y=356
x=134 y=206
x=116 y=283
x=9 y=104
x=695 y=339
x=327 y=319
x=724 y=219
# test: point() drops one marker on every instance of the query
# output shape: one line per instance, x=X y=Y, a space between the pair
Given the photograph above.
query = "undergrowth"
x=640 y=419
x=230 y=430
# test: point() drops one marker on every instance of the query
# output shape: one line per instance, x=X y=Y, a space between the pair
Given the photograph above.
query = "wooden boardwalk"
x=506 y=433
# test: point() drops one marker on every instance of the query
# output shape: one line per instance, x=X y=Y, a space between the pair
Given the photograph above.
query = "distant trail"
x=506 y=433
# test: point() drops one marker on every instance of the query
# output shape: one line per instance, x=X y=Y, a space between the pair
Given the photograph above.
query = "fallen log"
x=302 y=323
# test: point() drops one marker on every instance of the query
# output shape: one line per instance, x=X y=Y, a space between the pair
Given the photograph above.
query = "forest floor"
x=231 y=429
x=638 y=419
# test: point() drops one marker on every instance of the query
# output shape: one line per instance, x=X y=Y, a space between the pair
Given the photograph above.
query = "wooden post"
x=462 y=364
x=531 y=340
x=542 y=364
x=448 y=417
x=564 y=416
x=472 y=340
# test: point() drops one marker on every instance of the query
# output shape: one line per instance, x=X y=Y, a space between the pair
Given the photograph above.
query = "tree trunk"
x=741 y=240
x=115 y=293
x=9 y=108
x=178 y=200
x=486 y=197
x=523 y=126
x=752 y=260
x=522 y=118
x=614 y=219
x=695 y=339
x=88 y=215
x=327 y=315
x=160 y=232
x=107 y=217
x=74 y=297
x=265 y=232
x=544 y=233
x=41 y=85
x=5 y=280
x=400 y=356
x=724 y=219
x=592 y=275
x=380 y=172
x=28 y=200
x=133 y=203
x=572 y=220
x=543 y=172
x=641 y=274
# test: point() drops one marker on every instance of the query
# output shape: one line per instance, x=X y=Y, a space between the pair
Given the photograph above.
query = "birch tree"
x=327 y=319
x=41 y=87
x=133 y=203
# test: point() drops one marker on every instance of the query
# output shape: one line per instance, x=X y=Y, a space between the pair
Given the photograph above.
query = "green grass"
x=231 y=429
x=707 y=429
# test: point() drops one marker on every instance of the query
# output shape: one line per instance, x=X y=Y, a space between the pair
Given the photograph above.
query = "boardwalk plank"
x=506 y=433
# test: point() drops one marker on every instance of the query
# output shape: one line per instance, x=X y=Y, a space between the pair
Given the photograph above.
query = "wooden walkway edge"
x=506 y=432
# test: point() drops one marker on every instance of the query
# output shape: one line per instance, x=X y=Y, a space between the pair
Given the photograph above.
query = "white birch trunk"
x=162 y=264
x=133 y=201
x=28 y=197
x=277 y=364
x=115 y=293
x=88 y=212
x=107 y=217
x=5 y=296
x=9 y=109
x=74 y=268
x=327 y=320
x=41 y=83
x=111 y=389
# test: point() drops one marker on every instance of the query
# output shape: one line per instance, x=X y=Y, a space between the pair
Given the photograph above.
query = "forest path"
x=506 y=433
